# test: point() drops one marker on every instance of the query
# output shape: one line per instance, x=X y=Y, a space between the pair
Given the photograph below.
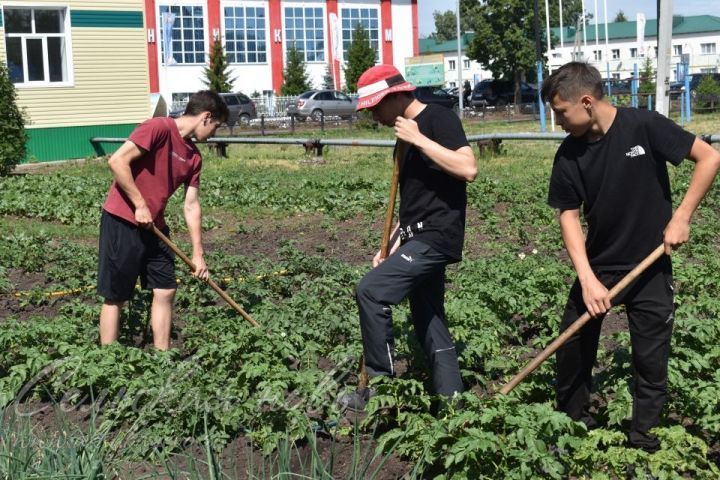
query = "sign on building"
x=425 y=70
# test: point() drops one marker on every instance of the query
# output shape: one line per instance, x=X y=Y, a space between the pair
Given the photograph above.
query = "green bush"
x=12 y=125
x=708 y=93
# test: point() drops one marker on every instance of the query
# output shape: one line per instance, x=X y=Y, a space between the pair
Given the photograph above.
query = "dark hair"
x=207 y=101
x=571 y=81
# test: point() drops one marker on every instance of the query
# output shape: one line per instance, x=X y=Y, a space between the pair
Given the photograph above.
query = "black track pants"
x=416 y=271
x=649 y=305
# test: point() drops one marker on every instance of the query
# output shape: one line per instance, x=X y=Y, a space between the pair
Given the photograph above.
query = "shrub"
x=12 y=125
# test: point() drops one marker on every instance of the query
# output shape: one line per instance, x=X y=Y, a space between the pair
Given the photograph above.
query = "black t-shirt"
x=621 y=181
x=432 y=202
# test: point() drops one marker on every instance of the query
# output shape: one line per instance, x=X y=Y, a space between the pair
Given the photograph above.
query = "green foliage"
x=708 y=93
x=361 y=56
x=647 y=77
x=328 y=78
x=296 y=77
x=13 y=137
x=216 y=75
x=620 y=17
x=446 y=26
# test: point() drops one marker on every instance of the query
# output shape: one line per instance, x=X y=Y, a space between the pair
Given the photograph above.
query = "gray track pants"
x=416 y=271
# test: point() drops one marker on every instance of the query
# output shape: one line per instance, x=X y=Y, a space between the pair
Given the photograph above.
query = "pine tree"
x=296 y=78
x=329 y=79
x=361 y=56
x=12 y=125
x=217 y=77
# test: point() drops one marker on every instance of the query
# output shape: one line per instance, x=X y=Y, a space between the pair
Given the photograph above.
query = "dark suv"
x=500 y=92
x=437 y=96
x=241 y=108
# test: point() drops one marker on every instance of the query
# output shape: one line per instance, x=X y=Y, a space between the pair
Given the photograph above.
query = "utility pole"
x=664 y=45
x=459 y=62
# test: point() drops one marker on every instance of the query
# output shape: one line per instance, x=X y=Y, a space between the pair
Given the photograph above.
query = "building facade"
x=472 y=71
x=695 y=39
x=256 y=35
x=80 y=70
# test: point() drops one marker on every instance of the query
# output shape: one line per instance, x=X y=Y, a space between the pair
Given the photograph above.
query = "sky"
x=629 y=7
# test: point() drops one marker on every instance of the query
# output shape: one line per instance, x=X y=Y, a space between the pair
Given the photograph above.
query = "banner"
x=641 y=33
x=168 y=21
x=425 y=70
x=337 y=48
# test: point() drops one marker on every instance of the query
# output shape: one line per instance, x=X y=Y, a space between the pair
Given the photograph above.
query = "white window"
x=708 y=70
x=368 y=18
x=633 y=52
x=556 y=55
x=677 y=50
x=598 y=55
x=305 y=28
x=451 y=64
x=707 y=48
x=245 y=34
x=37 y=45
x=188 y=34
x=577 y=56
x=466 y=64
x=615 y=76
x=615 y=53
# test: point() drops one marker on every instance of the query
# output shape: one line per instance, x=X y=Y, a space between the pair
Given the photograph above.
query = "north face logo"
x=635 y=151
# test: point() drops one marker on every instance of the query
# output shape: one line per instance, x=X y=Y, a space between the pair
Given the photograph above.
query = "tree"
x=296 y=78
x=647 y=81
x=446 y=26
x=620 y=16
x=13 y=137
x=217 y=77
x=329 y=79
x=361 y=56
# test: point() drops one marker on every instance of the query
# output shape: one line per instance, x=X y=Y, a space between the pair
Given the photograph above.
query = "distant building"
x=695 y=38
x=471 y=69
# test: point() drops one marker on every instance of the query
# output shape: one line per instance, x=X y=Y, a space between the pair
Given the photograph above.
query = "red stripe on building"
x=386 y=26
x=150 y=24
x=276 y=46
x=332 y=7
x=213 y=15
x=415 y=29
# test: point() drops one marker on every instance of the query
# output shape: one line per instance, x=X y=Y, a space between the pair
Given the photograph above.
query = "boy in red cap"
x=158 y=158
x=437 y=164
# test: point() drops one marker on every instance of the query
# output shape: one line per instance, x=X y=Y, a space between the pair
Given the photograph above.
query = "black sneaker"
x=644 y=441
x=356 y=400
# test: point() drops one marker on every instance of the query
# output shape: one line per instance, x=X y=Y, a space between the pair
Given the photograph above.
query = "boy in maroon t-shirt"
x=158 y=157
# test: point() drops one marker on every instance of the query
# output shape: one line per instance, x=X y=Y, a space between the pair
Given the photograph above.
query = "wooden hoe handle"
x=210 y=282
x=580 y=322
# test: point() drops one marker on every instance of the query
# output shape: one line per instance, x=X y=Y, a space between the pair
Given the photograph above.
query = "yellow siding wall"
x=110 y=69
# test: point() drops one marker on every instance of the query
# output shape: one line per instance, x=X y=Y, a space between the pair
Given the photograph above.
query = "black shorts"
x=128 y=252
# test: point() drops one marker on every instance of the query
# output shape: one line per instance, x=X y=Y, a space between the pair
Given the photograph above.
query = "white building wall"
x=623 y=66
x=474 y=74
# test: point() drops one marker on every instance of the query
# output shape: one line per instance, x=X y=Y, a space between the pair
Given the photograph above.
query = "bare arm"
x=595 y=295
x=459 y=163
x=193 y=218
x=119 y=164
x=707 y=163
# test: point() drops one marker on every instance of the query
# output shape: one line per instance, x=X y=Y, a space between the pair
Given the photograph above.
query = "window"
x=707 y=48
x=557 y=55
x=466 y=64
x=304 y=27
x=633 y=53
x=598 y=55
x=615 y=53
x=708 y=70
x=188 y=34
x=615 y=76
x=245 y=34
x=37 y=45
x=368 y=18
x=451 y=64
x=677 y=50
x=578 y=56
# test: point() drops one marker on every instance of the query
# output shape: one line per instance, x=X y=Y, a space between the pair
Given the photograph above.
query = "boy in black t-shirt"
x=613 y=165
x=429 y=235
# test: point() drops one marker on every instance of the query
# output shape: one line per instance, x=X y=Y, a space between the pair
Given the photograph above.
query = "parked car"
x=618 y=86
x=240 y=108
x=695 y=79
x=436 y=95
x=317 y=103
x=500 y=92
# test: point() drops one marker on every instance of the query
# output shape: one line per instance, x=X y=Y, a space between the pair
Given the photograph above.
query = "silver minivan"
x=317 y=103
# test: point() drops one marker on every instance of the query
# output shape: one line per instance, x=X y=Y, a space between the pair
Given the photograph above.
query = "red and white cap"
x=378 y=81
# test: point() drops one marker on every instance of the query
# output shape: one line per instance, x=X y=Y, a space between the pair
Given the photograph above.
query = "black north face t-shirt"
x=621 y=181
x=432 y=202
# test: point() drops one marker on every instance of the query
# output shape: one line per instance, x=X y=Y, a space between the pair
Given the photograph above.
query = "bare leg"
x=161 y=317
x=110 y=321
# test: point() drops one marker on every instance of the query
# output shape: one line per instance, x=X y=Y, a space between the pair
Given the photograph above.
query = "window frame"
x=205 y=35
x=634 y=52
x=452 y=65
x=615 y=54
x=711 y=48
x=322 y=29
x=66 y=35
x=265 y=39
x=375 y=43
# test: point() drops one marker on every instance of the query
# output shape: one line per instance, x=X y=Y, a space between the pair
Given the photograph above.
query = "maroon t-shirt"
x=169 y=161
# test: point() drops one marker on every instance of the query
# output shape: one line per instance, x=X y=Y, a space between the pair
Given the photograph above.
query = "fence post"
x=262 y=124
x=322 y=121
x=292 y=123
